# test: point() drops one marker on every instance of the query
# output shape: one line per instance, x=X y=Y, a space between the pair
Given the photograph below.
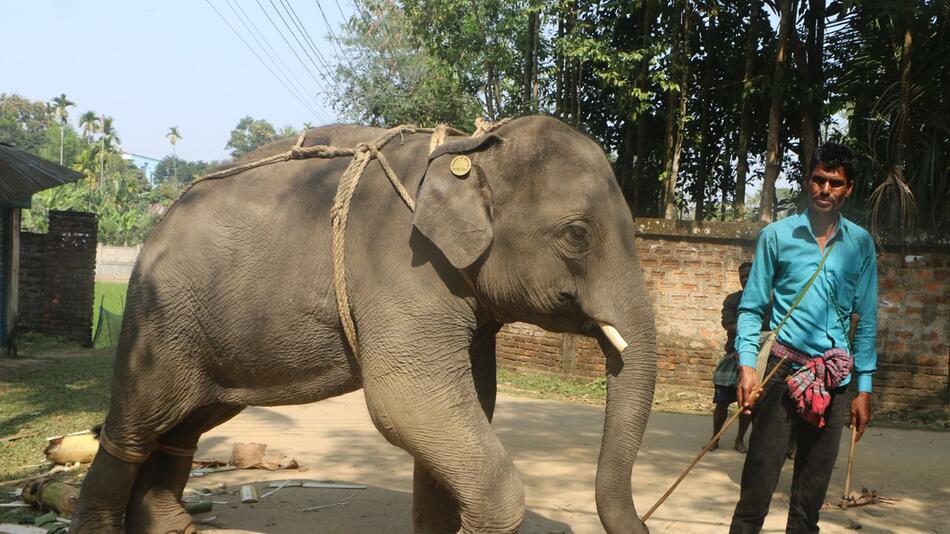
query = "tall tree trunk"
x=62 y=140
x=809 y=59
x=490 y=84
x=625 y=161
x=174 y=165
x=894 y=209
x=724 y=180
x=709 y=37
x=642 y=204
x=530 y=58
x=675 y=26
x=670 y=191
x=742 y=167
x=559 y=67
x=773 y=157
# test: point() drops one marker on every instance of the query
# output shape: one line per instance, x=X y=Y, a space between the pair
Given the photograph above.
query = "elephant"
x=231 y=304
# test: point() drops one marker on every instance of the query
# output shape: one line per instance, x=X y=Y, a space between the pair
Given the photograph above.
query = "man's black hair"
x=745 y=265
x=831 y=155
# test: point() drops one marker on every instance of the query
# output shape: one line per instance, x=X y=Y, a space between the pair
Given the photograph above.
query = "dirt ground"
x=554 y=446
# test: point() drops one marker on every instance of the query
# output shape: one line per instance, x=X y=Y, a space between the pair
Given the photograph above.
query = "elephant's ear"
x=455 y=212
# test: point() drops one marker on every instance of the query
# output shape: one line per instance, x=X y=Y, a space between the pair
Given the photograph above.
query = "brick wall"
x=57 y=277
x=32 y=272
x=690 y=267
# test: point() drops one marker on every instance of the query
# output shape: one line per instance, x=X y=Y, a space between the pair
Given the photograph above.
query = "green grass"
x=112 y=297
x=50 y=396
x=593 y=391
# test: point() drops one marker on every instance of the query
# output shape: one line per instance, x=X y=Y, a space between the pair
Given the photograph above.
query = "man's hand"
x=748 y=389
x=860 y=412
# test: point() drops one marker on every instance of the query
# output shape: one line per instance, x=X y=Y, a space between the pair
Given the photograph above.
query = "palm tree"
x=108 y=140
x=60 y=103
x=89 y=122
x=173 y=137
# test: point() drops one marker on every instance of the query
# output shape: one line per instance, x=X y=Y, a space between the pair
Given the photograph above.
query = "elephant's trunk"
x=631 y=376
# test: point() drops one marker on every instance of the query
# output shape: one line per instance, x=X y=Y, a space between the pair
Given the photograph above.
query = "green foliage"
x=188 y=171
x=615 y=69
x=250 y=134
x=72 y=144
x=483 y=42
x=392 y=79
x=24 y=123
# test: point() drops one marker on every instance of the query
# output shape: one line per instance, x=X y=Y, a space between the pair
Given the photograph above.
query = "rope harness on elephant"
x=361 y=154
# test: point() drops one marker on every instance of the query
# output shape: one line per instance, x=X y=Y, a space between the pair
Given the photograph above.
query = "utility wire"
x=334 y=39
x=306 y=35
x=292 y=49
x=287 y=69
x=341 y=10
x=296 y=38
x=302 y=94
x=266 y=66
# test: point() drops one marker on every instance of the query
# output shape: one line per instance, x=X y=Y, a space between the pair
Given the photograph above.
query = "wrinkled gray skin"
x=231 y=304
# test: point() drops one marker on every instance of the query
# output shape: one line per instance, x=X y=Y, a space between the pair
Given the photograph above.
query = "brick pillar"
x=69 y=278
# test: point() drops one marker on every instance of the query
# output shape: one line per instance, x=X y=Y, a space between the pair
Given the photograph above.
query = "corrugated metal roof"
x=22 y=174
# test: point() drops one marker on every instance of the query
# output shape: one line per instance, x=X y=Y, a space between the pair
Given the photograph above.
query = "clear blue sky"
x=152 y=65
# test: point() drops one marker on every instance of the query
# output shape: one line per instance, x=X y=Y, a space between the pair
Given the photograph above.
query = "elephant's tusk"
x=613 y=336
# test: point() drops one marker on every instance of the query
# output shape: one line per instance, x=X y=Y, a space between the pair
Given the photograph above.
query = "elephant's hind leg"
x=155 y=505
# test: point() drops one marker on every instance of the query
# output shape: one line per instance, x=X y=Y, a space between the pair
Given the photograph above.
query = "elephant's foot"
x=159 y=512
x=104 y=496
x=92 y=521
x=155 y=506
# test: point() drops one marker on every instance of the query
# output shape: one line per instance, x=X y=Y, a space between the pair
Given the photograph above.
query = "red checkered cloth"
x=809 y=386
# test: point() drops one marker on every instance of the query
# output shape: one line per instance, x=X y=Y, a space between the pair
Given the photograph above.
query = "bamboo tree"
x=809 y=59
x=773 y=157
x=672 y=176
x=742 y=167
x=649 y=13
x=705 y=103
x=530 y=80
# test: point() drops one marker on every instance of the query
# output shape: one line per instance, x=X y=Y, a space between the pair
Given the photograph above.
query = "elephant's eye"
x=575 y=238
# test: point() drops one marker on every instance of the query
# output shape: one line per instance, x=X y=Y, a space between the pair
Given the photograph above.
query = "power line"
x=306 y=34
x=266 y=66
x=273 y=61
x=299 y=90
x=333 y=36
x=343 y=15
x=296 y=38
x=292 y=49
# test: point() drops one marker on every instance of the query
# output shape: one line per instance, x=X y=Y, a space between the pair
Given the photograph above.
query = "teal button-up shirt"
x=786 y=255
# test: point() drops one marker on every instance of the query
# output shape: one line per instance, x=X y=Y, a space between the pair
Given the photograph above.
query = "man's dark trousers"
x=775 y=419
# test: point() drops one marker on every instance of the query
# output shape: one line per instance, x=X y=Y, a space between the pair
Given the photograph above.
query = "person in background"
x=806 y=398
x=726 y=375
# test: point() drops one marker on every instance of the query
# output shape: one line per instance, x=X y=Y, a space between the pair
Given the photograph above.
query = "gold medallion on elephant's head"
x=460 y=166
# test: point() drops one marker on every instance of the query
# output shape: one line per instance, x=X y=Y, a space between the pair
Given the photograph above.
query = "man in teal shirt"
x=805 y=400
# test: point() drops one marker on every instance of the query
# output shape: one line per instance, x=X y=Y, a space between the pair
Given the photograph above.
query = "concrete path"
x=554 y=446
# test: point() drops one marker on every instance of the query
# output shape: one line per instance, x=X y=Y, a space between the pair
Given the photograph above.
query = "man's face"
x=828 y=189
x=744 y=276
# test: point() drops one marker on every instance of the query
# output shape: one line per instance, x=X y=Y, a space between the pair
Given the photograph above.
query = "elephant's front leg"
x=434 y=508
x=429 y=407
